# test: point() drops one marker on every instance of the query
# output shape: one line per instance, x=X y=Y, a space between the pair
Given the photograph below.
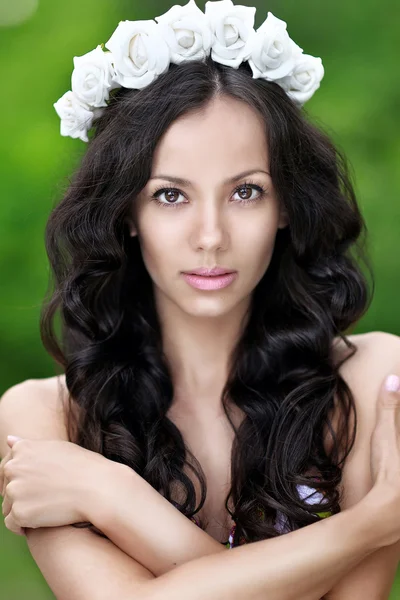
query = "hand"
x=48 y=483
x=385 y=463
x=3 y=485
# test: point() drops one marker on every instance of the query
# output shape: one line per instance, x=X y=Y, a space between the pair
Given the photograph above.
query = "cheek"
x=159 y=244
x=257 y=240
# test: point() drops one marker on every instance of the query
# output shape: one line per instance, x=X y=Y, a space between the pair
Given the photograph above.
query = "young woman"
x=206 y=262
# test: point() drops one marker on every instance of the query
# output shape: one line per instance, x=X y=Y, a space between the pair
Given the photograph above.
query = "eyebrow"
x=187 y=183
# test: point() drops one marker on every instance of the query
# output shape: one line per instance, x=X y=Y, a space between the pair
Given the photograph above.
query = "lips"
x=210 y=282
x=207 y=272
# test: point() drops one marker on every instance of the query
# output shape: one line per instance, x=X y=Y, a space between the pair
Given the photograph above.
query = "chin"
x=207 y=307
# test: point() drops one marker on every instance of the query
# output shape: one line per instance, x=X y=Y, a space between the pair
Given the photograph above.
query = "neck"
x=198 y=351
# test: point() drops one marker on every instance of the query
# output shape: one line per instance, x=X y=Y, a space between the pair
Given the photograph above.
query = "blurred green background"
x=357 y=104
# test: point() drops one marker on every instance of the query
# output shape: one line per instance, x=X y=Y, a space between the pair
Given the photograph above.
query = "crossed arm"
x=182 y=561
x=168 y=556
x=290 y=567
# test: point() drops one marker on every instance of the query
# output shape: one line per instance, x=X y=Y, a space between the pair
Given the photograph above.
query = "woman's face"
x=217 y=217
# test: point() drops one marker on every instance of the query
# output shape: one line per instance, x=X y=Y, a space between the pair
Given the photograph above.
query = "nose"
x=210 y=227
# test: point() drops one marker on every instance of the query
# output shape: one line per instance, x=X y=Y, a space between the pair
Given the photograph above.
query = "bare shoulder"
x=377 y=355
x=34 y=409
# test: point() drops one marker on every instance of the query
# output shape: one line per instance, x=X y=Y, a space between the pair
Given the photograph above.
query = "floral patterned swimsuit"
x=281 y=522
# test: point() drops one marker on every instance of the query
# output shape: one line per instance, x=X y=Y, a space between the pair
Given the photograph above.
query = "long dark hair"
x=283 y=375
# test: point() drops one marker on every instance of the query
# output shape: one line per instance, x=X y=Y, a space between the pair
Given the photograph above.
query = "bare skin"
x=365 y=533
x=209 y=436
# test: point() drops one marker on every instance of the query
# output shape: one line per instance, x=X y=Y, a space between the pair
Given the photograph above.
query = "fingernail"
x=392 y=383
x=13 y=438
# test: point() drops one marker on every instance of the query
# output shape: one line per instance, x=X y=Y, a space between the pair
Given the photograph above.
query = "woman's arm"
x=102 y=479
x=377 y=354
x=308 y=538
x=154 y=540
x=79 y=565
x=374 y=572
x=301 y=565
x=140 y=521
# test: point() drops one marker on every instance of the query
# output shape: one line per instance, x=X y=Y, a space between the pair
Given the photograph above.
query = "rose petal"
x=186 y=31
x=140 y=53
x=274 y=53
x=76 y=117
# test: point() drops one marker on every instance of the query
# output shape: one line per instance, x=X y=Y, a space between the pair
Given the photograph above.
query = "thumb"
x=392 y=383
x=11 y=439
x=390 y=396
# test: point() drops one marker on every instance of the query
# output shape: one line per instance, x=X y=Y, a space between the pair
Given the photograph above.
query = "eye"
x=172 y=194
x=250 y=187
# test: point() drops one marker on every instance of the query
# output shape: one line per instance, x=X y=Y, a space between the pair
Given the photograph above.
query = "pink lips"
x=206 y=271
x=210 y=279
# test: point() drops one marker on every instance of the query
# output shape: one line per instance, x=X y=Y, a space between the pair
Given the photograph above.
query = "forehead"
x=225 y=137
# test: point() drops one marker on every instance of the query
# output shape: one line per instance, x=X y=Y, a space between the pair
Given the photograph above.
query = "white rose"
x=140 y=54
x=187 y=32
x=274 y=53
x=305 y=79
x=92 y=77
x=76 y=116
x=232 y=27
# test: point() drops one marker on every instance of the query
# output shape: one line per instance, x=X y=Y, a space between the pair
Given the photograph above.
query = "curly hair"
x=283 y=375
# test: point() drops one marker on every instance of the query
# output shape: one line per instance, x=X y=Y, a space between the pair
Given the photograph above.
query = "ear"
x=283 y=219
x=131 y=226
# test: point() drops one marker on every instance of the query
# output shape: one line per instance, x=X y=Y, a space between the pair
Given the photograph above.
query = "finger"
x=3 y=478
x=392 y=383
x=11 y=524
x=387 y=415
x=389 y=397
x=6 y=505
x=12 y=439
x=2 y=463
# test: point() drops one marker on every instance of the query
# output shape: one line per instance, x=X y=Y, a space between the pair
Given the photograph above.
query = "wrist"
x=363 y=525
x=381 y=509
x=98 y=495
